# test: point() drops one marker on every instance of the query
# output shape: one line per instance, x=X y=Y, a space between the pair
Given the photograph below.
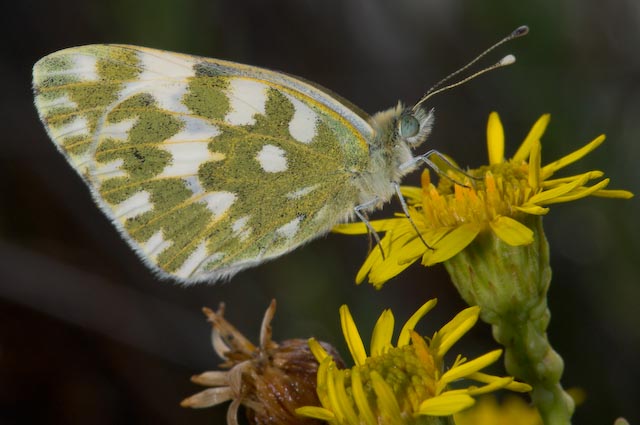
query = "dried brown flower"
x=270 y=380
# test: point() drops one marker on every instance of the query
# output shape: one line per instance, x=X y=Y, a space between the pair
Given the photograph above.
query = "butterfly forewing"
x=206 y=167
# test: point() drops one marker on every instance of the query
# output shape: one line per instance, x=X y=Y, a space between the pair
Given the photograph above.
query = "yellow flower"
x=405 y=383
x=497 y=198
x=512 y=411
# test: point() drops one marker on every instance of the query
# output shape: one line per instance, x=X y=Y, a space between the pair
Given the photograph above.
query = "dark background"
x=89 y=336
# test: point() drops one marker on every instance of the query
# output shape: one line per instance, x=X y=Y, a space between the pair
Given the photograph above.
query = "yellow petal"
x=495 y=385
x=621 y=194
x=465 y=369
x=316 y=412
x=343 y=399
x=360 y=398
x=534 y=164
x=374 y=259
x=361 y=228
x=388 y=270
x=532 y=209
x=403 y=338
x=417 y=247
x=410 y=252
x=352 y=336
x=388 y=406
x=579 y=193
x=382 y=333
x=317 y=350
x=334 y=400
x=450 y=333
x=511 y=231
x=421 y=350
x=556 y=182
x=380 y=270
x=451 y=244
x=412 y=194
x=549 y=169
x=495 y=139
x=445 y=405
x=520 y=387
x=322 y=378
x=546 y=195
x=534 y=135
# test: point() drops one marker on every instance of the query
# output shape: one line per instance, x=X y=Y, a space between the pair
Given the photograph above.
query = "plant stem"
x=510 y=285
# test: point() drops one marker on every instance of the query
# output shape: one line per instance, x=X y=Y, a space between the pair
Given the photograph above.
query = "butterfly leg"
x=426 y=158
x=405 y=210
x=360 y=211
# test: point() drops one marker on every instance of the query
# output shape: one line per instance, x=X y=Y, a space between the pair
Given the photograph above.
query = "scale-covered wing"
x=206 y=167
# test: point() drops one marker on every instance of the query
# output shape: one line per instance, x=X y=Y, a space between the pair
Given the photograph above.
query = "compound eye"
x=408 y=126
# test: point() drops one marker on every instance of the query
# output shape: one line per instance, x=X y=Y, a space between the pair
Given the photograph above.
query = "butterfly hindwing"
x=206 y=167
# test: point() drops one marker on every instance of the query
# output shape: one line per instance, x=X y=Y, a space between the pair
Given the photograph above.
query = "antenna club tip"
x=507 y=60
x=520 y=31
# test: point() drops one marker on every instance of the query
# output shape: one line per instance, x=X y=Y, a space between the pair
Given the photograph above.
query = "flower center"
x=498 y=191
x=411 y=379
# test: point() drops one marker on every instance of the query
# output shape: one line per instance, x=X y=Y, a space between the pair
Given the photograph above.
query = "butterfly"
x=208 y=167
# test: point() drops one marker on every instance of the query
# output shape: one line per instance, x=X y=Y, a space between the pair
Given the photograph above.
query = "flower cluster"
x=496 y=198
x=402 y=383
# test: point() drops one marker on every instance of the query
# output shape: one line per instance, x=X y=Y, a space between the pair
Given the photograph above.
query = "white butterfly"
x=207 y=167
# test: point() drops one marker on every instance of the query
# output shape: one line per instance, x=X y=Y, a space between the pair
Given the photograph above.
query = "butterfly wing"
x=206 y=167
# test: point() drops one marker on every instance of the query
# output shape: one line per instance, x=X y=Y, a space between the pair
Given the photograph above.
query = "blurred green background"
x=89 y=336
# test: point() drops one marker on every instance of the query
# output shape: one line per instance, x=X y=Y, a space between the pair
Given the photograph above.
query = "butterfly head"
x=413 y=125
x=401 y=127
x=397 y=131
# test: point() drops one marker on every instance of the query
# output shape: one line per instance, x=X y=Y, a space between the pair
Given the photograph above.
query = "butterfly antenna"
x=507 y=60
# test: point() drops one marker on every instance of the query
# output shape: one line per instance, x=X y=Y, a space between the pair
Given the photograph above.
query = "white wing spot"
x=272 y=159
x=189 y=148
x=193 y=184
x=302 y=192
x=171 y=97
x=83 y=66
x=219 y=202
x=118 y=130
x=155 y=245
x=78 y=126
x=110 y=170
x=133 y=206
x=240 y=229
x=193 y=261
x=165 y=77
x=86 y=67
x=290 y=229
x=45 y=105
x=187 y=158
x=246 y=98
x=195 y=129
x=159 y=64
x=303 y=124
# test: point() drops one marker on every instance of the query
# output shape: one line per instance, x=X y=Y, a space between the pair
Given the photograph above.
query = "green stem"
x=510 y=285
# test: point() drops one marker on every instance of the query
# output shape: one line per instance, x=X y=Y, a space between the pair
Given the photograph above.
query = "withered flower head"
x=271 y=380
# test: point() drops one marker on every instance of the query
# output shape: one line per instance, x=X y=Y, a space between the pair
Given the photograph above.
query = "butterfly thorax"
x=389 y=149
